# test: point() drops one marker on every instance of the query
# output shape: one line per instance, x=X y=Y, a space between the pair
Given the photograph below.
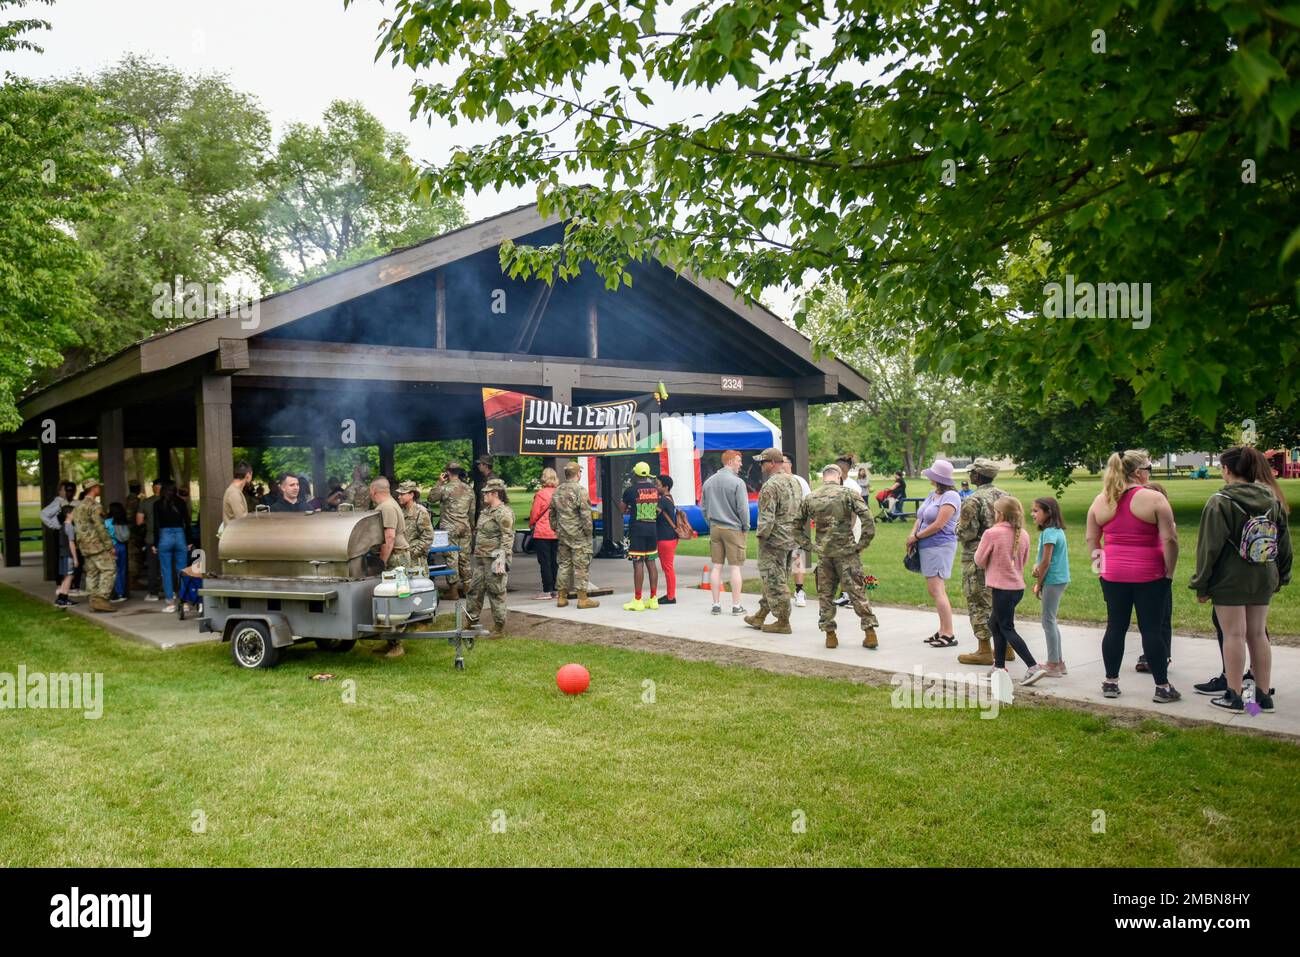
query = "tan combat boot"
x=562 y=598
x=498 y=629
x=832 y=641
x=756 y=619
x=779 y=627
x=869 y=638
x=1011 y=653
x=585 y=602
x=453 y=592
x=981 y=656
x=394 y=650
x=101 y=604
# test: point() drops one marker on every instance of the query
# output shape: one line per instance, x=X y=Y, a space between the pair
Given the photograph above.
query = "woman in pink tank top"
x=1138 y=551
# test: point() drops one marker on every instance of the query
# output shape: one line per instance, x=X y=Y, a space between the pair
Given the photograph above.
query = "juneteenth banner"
x=519 y=424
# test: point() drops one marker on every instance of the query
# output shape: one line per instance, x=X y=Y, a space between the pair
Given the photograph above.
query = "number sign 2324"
x=733 y=383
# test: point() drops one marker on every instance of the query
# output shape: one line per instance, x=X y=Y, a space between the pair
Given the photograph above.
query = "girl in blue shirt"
x=1051 y=575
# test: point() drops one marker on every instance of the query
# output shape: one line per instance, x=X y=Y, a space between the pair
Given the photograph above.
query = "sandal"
x=943 y=641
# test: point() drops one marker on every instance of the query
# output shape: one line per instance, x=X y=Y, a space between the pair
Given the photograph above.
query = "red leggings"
x=667 y=553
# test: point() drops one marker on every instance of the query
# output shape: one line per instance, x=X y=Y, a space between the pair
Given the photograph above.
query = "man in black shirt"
x=641 y=500
x=290 y=499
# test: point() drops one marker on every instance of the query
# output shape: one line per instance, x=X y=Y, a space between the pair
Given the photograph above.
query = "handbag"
x=912 y=560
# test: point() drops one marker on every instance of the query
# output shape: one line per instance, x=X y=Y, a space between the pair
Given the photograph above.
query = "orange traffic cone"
x=704 y=578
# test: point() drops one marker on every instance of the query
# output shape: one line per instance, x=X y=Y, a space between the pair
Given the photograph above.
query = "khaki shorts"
x=727 y=547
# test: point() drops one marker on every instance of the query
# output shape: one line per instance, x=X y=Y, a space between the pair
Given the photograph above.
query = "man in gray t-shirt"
x=725 y=502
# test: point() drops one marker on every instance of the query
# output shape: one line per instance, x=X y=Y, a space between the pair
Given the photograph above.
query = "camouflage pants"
x=100 y=572
x=774 y=573
x=842 y=572
x=486 y=583
x=575 y=566
x=398 y=558
x=979 y=599
x=461 y=562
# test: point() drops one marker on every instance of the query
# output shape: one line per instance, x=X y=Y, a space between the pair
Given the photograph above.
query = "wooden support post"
x=164 y=454
x=561 y=380
x=9 y=479
x=387 y=459
x=216 y=438
x=112 y=456
x=611 y=508
x=440 y=309
x=794 y=434
x=318 y=476
x=49 y=488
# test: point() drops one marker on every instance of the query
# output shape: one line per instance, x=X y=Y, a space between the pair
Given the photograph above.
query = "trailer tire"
x=250 y=645
x=336 y=644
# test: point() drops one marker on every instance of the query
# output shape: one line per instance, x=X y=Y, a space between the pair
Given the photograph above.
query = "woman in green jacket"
x=1241 y=588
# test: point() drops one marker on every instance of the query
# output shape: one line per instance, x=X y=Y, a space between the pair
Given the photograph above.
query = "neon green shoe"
x=635 y=604
x=652 y=603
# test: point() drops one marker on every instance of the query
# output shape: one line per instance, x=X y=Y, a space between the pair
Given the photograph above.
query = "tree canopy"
x=942 y=163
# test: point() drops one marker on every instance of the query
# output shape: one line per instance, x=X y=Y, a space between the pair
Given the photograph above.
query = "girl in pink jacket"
x=1002 y=553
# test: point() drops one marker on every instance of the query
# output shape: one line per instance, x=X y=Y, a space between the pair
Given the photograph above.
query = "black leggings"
x=1002 y=622
x=1150 y=600
x=548 y=550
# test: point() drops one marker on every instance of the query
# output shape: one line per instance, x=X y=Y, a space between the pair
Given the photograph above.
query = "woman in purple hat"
x=934 y=536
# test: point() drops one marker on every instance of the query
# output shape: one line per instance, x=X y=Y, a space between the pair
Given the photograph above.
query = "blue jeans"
x=1051 y=603
x=171 y=557
x=120 y=585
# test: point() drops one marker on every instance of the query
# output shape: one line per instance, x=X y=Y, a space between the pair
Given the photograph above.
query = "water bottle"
x=403 y=583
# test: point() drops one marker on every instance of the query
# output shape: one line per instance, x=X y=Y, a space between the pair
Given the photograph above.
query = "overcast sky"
x=295 y=56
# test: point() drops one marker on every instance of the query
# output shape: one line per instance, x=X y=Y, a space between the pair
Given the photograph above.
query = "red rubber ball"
x=573 y=679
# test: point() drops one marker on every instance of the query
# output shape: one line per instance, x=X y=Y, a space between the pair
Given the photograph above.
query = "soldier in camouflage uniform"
x=137 y=536
x=778 y=520
x=494 y=543
x=455 y=510
x=832 y=508
x=358 y=493
x=96 y=547
x=977 y=517
x=571 y=519
x=419 y=527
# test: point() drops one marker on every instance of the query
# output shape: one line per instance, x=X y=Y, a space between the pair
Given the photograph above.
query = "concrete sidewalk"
x=902 y=650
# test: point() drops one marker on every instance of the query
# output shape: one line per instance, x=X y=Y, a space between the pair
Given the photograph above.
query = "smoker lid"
x=298 y=536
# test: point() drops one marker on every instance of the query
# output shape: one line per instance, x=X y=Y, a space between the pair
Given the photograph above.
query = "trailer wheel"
x=250 y=645
x=336 y=644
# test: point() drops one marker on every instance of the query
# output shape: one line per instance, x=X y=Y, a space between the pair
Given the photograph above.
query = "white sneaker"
x=169 y=609
x=800 y=600
x=150 y=597
x=1033 y=674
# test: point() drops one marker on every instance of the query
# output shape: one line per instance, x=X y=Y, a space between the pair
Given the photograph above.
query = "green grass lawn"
x=1082 y=600
x=713 y=772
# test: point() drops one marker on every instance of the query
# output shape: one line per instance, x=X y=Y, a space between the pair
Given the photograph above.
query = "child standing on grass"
x=1051 y=573
x=1002 y=553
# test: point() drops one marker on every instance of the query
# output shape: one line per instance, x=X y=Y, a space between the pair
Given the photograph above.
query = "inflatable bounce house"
x=691 y=451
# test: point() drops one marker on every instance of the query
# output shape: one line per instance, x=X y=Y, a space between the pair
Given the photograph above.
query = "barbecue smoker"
x=288 y=577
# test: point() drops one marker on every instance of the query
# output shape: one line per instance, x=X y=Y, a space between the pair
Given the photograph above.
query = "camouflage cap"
x=494 y=485
x=484 y=459
x=453 y=464
x=408 y=487
x=770 y=455
x=88 y=484
x=986 y=467
x=832 y=467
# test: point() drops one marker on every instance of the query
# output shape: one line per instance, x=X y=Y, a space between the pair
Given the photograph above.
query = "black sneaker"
x=1110 y=689
x=62 y=601
x=1229 y=701
x=667 y=601
x=1142 y=665
x=1166 y=695
x=1215 y=686
x=1265 y=701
